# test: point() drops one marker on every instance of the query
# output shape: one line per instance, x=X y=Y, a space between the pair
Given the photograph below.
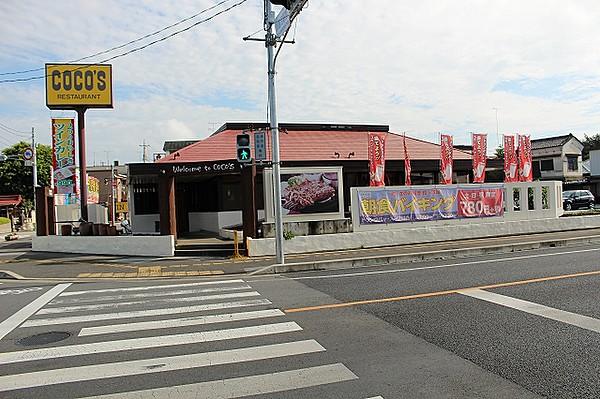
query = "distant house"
x=557 y=158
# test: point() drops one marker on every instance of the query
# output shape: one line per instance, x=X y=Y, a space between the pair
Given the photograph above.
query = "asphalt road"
x=523 y=325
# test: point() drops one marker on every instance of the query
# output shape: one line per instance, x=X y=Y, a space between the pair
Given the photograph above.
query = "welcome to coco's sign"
x=71 y=86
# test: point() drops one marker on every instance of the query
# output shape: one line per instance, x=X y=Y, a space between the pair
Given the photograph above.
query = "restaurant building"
x=202 y=188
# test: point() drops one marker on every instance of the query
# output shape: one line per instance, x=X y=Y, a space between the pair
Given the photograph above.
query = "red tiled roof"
x=310 y=145
x=10 y=200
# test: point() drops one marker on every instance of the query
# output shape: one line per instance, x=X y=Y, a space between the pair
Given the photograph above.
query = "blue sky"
x=424 y=68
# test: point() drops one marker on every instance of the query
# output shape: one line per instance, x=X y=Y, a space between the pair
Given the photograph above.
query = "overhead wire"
x=19 y=135
x=136 y=49
x=128 y=43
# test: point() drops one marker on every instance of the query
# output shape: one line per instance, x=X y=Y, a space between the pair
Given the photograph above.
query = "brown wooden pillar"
x=44 y=211
x=249 y=212
x=166 y=205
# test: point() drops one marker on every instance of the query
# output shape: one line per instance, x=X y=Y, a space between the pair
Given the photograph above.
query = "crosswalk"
x=211 y=339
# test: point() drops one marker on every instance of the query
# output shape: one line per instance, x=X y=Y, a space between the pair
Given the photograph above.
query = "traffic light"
x=243 y=148
x=293 y=6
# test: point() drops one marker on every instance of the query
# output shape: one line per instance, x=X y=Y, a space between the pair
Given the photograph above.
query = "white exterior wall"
x=595 y=162
x=215 y=221
x=144 y=224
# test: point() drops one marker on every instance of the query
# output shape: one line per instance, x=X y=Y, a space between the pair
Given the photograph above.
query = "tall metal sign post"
x=79 y=87
x=294 y=7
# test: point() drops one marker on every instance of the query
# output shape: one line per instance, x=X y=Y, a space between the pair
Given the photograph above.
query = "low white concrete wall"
x=107 y=245
x=417 y=234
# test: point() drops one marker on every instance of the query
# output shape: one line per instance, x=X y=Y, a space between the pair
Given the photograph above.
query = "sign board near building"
x=122 y=207
x=307 y=194
x=386 y=206
x=260 y=145
x=63 y=155
x=93 y=186
x=70 y=86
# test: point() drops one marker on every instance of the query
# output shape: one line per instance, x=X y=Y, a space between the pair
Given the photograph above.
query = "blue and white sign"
x=28 y=154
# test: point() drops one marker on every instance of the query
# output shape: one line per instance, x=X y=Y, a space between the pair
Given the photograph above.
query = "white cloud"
x=422 y=67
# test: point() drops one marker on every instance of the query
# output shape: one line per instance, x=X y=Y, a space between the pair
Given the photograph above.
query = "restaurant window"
x=145 y=198
x=547 y=164
x=572 y=164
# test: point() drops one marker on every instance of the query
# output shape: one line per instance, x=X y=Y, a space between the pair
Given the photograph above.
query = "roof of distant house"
x=10 y=200
x=174 y=145
x=310 y=142
x=550 y=142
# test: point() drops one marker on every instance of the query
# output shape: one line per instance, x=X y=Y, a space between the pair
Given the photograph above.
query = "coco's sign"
x=71 y=86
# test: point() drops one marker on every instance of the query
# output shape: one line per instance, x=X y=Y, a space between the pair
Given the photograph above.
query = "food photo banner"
x=307 y=194
x=398 y=205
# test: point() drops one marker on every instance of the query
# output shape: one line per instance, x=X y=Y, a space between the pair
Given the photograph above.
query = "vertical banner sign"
x=407 y=169
x=377 y=159
x=510 y=160
x=93 y=186
x=525 y=162
x=479 y=141
x=446 y=159
x=63 y=155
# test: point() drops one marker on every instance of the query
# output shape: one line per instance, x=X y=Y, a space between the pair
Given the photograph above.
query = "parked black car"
x=576 y=199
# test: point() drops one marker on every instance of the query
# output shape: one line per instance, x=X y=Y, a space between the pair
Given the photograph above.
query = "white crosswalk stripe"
x=230 y=323
x=85 y=308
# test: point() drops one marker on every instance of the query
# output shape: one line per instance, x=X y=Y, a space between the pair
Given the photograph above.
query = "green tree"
x=16 y=178
x=590 y=143
x=499 y=153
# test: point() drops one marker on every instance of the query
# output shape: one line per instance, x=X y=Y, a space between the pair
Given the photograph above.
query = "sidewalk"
x=16 y=259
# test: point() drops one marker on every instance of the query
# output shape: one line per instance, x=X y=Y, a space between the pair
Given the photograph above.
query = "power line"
x=13 y=133
x=12 y=129
x=128 y=43
x=137 y=48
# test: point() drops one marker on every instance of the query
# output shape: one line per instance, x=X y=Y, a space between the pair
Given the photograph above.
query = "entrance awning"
x=10 y=200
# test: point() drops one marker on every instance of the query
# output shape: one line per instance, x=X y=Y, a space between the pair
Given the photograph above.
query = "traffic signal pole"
x=271 y=39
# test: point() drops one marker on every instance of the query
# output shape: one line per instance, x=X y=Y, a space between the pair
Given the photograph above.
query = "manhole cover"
x=44 y=338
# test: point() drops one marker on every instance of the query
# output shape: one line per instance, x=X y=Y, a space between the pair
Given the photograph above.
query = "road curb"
x=380 y=260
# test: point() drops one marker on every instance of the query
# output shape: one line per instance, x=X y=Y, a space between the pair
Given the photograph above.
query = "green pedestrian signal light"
x=244 y=153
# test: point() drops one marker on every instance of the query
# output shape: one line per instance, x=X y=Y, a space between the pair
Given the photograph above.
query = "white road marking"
x=150 y=287
x=183 y=322
x=156 y=365
x=574 y=319
x=376 y=397
x=18 y=291
x=144 y=313
x=16 y=319
x=246 y=386
x=114 y=298
x=412 y=269
x=12 y=253
x=147 y=342
x=148 y=301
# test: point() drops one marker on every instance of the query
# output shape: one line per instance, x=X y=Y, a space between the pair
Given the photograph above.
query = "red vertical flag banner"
x=479 y=141
x=407 y=168
x=511 y=164
x=525 y=161
x=377 y=159
x=446 y=159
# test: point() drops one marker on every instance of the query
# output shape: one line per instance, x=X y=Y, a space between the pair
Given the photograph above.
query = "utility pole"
x=270 y=41
x=34 y=164
x=144 y=153
x=112 y=191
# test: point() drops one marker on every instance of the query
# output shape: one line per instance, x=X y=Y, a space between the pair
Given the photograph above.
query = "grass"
x=4 y=220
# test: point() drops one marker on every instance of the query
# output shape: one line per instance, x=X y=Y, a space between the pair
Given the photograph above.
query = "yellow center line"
x=438 y=293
